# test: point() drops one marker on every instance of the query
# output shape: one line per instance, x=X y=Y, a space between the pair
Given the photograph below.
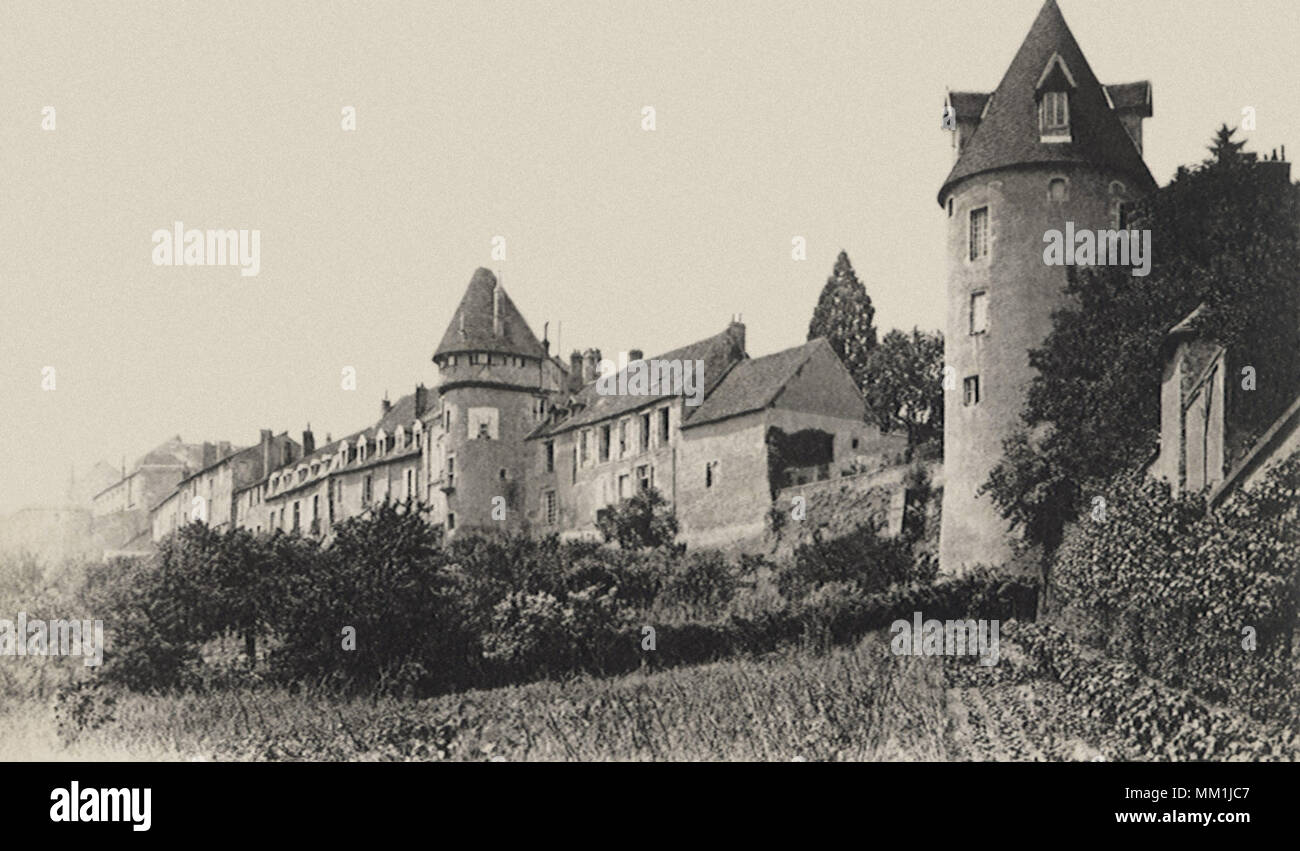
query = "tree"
x=1223 y=234
x=1224 y=149
x=904 y=384
x=844 y=317
x=644 y=520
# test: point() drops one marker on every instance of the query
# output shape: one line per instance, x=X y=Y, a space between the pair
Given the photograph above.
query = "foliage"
x=1222 y=233
x=863 y=559
x=903 y=385
x=843 y=316
x=1163 y=585
x=643 y=520
x=1152 y=719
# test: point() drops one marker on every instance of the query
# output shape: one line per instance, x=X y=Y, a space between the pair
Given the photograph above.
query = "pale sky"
x=773 y=120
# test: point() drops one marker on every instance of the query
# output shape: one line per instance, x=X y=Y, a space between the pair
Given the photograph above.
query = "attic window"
x=1054 y=117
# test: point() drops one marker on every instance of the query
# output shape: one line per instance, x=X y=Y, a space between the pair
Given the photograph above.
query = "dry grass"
x=858 y=704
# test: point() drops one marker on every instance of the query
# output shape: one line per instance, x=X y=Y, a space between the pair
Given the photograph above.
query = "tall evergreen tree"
x=844 y=316
x=1224 y=149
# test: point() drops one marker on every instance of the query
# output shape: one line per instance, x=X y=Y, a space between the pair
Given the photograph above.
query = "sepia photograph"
x=913 y=385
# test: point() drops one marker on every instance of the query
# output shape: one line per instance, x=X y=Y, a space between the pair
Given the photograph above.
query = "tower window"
x=1054 y=116
x=979 y=233
x=1058 y=189
x=551 y=509
x=971 y=390
x=550 y=456
x=950 y=208
x=979 y=313
x=710 y=473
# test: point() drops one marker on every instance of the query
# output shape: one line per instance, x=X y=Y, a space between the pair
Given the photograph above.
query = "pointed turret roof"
x=488 y=321
x=1008 y=134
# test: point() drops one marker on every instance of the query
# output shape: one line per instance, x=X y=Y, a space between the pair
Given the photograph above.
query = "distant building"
x=208 y=494
x=512 y=439
x=718 y=463
x=121 y=523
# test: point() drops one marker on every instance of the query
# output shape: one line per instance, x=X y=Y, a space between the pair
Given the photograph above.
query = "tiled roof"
x=1009 y=133
x=1131 y=96
x=402 y=412
x=719 y=354
x=968 y=104
x=1187 y=327
x=754 y=384
x=472 y=328
x=175 y=452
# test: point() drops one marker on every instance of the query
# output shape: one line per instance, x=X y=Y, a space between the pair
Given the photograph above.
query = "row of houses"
x=508 y=437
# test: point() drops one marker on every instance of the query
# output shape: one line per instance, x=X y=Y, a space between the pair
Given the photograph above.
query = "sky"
x=475 y=120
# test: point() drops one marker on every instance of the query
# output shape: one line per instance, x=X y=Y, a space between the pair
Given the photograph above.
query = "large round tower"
x=495 y=379
x=1050 y=146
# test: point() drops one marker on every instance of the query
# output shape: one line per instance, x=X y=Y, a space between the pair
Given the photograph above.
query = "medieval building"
x=1049 y=146
x=510 y=438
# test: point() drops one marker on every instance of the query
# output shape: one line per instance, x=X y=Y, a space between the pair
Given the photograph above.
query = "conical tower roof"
x=488 y=321
x=1008 y=135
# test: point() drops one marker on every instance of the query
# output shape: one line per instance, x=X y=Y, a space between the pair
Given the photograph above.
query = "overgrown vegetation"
x=1202 y=602
x=1224 y=234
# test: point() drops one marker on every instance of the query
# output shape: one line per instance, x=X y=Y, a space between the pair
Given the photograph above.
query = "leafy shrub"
x=1151 y=718
x=1163 y=585
x=644 y=520
x=864 y=558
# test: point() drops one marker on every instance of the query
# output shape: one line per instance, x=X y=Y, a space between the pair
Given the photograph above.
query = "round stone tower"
x=495 y=380
x=1050 y=146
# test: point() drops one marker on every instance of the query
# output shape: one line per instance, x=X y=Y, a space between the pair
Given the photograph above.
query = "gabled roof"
x=754 y=384
x=473 y=328
x=719 y=354
x=1189 y=326
x=1009 y=133
x=1134 y=96
x=968 y=105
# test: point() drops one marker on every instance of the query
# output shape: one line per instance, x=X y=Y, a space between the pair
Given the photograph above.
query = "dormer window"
x=1053 y=93
x=1054 y=116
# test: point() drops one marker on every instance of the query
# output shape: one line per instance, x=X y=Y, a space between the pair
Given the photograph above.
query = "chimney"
x=265 y=441
x=736 y=330
x=209 y=454
x=546 y=338
x=308 y=441
x=421 y=399
x=496 y=308
x=635 y=355
x=590 y=365
x=575 y=370
x=385 y=406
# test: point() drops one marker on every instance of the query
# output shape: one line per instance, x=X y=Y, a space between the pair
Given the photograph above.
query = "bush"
x=863 y=558
x=1157 y=582
x=644 y=520
x=1156 y=720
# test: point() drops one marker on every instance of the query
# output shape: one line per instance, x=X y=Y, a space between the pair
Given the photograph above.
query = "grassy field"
x=862 y=703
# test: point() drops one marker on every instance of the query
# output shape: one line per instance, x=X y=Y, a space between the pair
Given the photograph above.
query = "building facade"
x=511 y=439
